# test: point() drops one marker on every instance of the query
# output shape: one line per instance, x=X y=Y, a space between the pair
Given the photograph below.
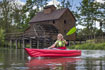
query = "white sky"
x=20 y=2
x=53 y=2
x=101 y=1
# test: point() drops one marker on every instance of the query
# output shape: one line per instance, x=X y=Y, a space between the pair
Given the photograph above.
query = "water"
x=16 y=59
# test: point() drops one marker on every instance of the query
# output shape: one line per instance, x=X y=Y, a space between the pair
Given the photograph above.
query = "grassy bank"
x=89 y=46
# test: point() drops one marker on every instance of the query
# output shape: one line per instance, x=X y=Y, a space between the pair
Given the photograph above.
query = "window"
x=64 y=21
x=53 y=21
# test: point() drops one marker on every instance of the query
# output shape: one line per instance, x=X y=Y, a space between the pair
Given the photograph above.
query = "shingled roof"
x=41 y=16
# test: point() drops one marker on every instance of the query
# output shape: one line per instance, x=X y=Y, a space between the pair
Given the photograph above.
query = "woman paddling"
x=60 y=43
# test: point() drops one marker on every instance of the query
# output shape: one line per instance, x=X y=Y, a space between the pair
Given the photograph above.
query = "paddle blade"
x=71 y=31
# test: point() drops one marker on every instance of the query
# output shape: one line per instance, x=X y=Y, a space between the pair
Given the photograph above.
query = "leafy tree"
x=65 y=4
x=5 y=15
x=32 y=7
x=89 y=13
x=19 y=18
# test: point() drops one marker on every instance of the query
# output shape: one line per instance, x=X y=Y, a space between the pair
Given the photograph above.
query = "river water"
x=16 y=59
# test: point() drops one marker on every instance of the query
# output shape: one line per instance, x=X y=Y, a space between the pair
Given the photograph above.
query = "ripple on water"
x=57 y=64
x=93 y=53
x=20 y=68
x=1 y=64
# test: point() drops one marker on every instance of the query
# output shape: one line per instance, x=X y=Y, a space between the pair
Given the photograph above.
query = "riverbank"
x=89 y=46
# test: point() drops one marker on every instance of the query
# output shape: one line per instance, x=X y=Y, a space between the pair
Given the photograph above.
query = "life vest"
x=60 y=43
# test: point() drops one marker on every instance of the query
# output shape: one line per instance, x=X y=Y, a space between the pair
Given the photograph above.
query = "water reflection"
x=11 y=58
x=16 y=59
x=92 y=60
x=53 y=63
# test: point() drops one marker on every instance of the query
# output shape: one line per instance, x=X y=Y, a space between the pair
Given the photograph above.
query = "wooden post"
x=37 y=44
x=10 y=43
x=20 y=43
x=30 y=43
x=23 y=42
x=22 y=54
x=10 y=54
x=16 y=57
x=16 y=43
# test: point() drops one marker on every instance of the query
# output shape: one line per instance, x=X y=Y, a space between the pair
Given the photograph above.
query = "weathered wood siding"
x=65 y=27
x=70 y=22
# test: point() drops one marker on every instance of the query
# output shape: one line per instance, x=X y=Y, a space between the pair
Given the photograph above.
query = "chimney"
x=49 y=9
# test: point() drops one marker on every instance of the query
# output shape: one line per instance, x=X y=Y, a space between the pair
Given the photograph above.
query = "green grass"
x=89 y=46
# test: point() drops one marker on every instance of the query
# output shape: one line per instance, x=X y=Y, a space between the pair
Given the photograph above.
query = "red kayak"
x=52 y=53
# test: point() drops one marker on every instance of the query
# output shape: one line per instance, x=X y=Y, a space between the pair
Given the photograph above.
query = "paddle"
x=71 y=31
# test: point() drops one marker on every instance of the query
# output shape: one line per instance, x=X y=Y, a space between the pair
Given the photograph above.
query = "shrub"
x=89 y=46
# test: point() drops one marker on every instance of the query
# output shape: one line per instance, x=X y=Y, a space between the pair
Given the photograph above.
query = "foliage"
x=87 y=15
x=85 y=34
x=89 y=46
x=65 y=4
x=5 y=15
x=32 y=7
x=10 y=16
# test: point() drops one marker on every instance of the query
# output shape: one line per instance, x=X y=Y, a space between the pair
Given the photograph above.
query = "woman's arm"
x=65 y=42
x=52 y=46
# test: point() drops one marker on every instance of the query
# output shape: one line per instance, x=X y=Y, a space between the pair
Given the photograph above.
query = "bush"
x=89 y=46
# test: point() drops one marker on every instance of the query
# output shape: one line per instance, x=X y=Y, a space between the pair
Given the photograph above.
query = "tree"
x=32 y=7
x=5 y=15
x=18 y=18
x=89 y=13
x=65 y=4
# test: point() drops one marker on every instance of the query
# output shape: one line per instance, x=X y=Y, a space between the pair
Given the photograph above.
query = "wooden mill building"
x=47 y=24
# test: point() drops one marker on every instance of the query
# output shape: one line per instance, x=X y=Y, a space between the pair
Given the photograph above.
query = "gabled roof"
x=41 y=16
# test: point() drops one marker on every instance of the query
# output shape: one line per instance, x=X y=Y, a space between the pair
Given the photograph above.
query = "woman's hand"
x=49 y=47
x=65 y=41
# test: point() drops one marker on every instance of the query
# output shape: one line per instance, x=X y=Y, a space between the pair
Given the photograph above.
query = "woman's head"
x=60 y=36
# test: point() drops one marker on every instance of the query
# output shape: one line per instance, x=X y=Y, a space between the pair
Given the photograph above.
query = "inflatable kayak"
x=52 y=53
